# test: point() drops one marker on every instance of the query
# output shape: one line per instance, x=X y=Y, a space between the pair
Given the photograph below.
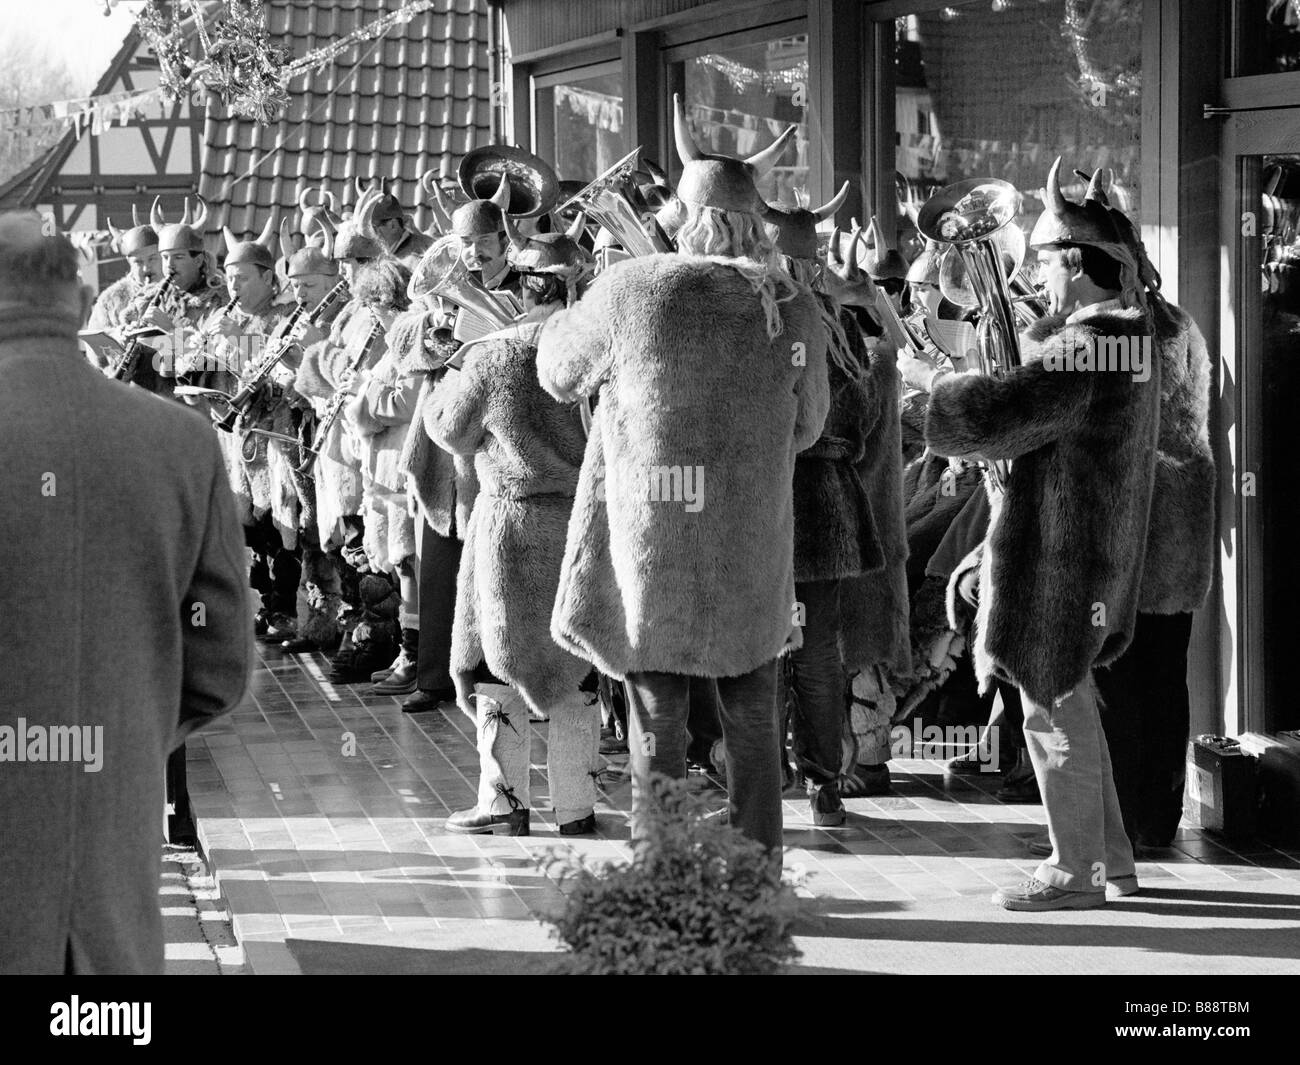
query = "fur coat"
x=1062 y=564
x=696 y=402
x=528 y=450
x=1180 y=543
x=874 y=605
x=338 y=468
x=111 y=304
x=834 y=532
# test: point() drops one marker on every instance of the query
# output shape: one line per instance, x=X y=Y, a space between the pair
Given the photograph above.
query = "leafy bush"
x=698 y=897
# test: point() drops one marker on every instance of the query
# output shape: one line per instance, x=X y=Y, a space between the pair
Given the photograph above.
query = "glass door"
x=1260 y=372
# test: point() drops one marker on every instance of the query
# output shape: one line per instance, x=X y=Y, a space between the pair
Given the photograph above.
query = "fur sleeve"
x=454 y=415
x=813 y=387
x=1002 y=418
x=575 y=346
x=310 y=380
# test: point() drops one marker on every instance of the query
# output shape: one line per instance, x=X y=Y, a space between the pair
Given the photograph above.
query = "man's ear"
x=86 y=296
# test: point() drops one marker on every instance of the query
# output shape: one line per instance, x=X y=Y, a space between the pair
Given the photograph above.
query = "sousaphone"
x=534 y=186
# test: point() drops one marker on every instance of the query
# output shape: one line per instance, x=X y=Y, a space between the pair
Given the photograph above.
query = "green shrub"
x=698 y=897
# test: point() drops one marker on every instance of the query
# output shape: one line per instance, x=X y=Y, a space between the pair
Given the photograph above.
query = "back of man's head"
x=38 y=270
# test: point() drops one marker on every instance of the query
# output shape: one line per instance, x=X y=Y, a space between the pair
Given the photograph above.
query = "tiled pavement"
x=321 y=810
x=200 y=940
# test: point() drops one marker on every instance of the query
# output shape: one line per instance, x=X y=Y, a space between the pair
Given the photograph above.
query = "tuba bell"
x=976 y=219
x=534 y=188
x=613 y=200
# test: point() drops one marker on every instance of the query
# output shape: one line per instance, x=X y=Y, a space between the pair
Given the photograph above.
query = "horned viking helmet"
x=185 y=235
x=719 y=181
x=796 y=227
x=138 y=238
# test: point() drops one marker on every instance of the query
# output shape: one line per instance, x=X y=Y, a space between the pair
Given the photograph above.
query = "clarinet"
x=124 y=366
x=337 y=400
x=205 y=335
x=295 y=329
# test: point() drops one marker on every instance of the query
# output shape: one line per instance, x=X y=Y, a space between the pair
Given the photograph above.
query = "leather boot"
x=504 y=748
x=420 y=700
x=402 y=679
x=573 y=761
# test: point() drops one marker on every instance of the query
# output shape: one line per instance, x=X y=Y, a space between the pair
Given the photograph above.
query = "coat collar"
x=21 y=321
x=1110 y=306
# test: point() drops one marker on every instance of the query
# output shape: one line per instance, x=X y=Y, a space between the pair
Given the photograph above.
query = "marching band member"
x=713 y=367
x=835 y=534
x=379 y=417
x=260 y=468
x=1145 y=702
x=443 y=486
x=395 y=230
x=1061 y=567
x=527 y=450
x=139 y=247
x=480 y=227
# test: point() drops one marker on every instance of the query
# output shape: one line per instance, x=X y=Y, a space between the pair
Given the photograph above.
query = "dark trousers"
x=659 y=704
x=703 y=720
x=1146 y=714
x=275 y=571
x=817 y=676
x=439 y=564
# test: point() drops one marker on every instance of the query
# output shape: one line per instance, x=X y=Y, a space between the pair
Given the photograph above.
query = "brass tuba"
x=441 y=273
x=534 y=188
x=976 y=218
x=612 y=201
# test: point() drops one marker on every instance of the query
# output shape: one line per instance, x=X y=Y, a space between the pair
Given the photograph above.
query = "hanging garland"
x=1124 y=82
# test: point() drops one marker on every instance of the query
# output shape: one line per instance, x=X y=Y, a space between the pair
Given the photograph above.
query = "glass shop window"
x=1268 y=37
x=579 y=120
x=740 y=98
x=999 y=90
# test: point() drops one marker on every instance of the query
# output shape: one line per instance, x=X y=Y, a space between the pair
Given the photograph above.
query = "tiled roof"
x=24 y=188
x=414 y=100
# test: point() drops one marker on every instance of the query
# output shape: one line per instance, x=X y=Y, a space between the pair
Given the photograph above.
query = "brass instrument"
x=294 y=329
x=534 y=188
x=614 y=201
x=124 y=366
x=441 y=273
x=972 y=216
x=954 y=279
x=341 y=395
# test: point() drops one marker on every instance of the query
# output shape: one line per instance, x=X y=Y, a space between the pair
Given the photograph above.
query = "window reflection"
x=581 y=124
x=1269 y=37
x=1000 y=90
x=740 y=99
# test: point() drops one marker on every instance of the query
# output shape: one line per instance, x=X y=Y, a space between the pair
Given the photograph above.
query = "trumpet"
x=975 y=218
x=614 y=201
x=123 y=367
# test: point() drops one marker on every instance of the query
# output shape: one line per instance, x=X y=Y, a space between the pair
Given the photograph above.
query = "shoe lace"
x=495 y=712
x=508 y=793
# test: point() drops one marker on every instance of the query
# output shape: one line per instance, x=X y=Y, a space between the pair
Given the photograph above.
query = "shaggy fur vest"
x=874 y=605
x=110 y=306
x=834 y=532
x=1180 y=542
x=527 y=449
x=680 y=550
x=1062 y=567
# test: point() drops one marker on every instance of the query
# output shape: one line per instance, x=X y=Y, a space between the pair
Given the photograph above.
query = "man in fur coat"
x=139 y=247
x=1145 y=705
x=712 y=375
x=527 y=450
x=1062 y=564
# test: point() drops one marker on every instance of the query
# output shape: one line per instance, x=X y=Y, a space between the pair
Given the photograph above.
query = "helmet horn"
x=851 y=269
x=267 y=236
x=1097 y=187
x=116 y=234
x=517 y=240
x=501 y=198
x=833 y=248
x=156 y=218
x=687 y=150
x=135 y=216
x=231 y=242
x=185 y=214
x=828 y=209
x=763 y=161
x=1055 y=197
x=574 y=232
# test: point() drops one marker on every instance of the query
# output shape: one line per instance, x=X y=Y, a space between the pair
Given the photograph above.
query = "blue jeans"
x=1072 y=765
x=658 y=706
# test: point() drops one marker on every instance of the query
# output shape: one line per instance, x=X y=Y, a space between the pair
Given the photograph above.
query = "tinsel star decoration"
x=175 y=64
x=243 y=68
